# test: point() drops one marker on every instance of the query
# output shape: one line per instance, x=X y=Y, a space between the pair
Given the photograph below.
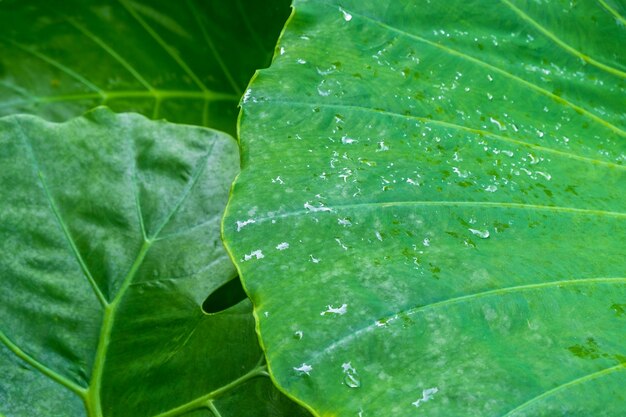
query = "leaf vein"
x=58 y=65
x=163 y=44
x=462 y=299
x=207 y=96
x=524 y=16
x=581 y=380
x=213 y=49
x=81 y=262
x=458 y=127
x=485 y=204
x=614 y=12
x=502 y=71
x=50 y=373
x=112 y=53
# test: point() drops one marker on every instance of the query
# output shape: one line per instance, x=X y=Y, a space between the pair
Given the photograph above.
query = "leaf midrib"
x=104 y=96
x=93 y=399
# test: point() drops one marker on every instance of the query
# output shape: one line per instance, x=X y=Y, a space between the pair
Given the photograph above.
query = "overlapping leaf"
x=185 y=61
x=430 y=219
x=110 y=242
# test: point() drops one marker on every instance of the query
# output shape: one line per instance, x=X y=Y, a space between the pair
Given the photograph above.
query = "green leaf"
x=433 y=198
x=109 y=230
x=186 y=61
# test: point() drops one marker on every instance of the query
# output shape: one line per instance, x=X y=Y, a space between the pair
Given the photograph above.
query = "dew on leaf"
x=344 y=247
x=483 y=234
x=491 y=188
x=344 y=222
x=282 y=246
x=346 y=16
x=303 y=369
x=497 y=123
x=257 y=254
x=427 y=395
x=244 y=223
x=312 y=208
x=545 y=175
x=351 y=377
x=335 y=310
x=352 y=380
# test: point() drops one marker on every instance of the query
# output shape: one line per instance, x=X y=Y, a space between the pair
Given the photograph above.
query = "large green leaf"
x=186 y=61
x=109 y=235
x=430 y=219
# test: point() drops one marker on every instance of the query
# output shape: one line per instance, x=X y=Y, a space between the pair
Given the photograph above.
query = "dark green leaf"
x=434 y=204
x=186 y=61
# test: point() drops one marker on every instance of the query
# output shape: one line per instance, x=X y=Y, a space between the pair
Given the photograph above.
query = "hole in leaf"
x=226 y=296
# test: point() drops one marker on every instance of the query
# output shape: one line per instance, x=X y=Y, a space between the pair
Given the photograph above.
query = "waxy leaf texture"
x=430 y=219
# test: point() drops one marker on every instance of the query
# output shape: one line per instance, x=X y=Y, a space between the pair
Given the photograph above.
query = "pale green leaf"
x=434 y=203
x=110 y=243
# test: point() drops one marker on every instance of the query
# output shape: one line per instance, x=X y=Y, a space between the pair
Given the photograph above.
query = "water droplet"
x=344 y=222
x=247 y=95
x=544 y=174
x=346 y=16
x=314 y=209
x=427 y=395
x=497 y=123
x=340 y=311
x=483 y=234
x=303 y=369
x=257 y=254
x=352 y=380
x=382 y=147
x=242 y=224
x=351 y=377
x=491 y=188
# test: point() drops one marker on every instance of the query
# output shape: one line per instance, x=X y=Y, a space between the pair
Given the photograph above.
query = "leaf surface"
x=431 y=216
x=110 y=242
x=186 y=61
